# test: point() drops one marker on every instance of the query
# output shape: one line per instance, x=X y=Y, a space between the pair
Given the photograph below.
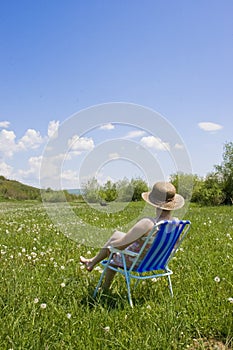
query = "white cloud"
x=114 y=156
x=34 y=168
x=70 y=179
x=31 y=140
x=80 y=144
x=6 y=169
x=135 y=133
x=209 y=126
x=155 y=142
x=53 y=129
x=179 y=146
x=108 y=126
x=7 y=143
x=4 y=124
x=9 y=146
x=102 y=178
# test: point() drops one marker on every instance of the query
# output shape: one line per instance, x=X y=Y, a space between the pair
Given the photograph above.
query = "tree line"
x=214 y=189
x=122 y=191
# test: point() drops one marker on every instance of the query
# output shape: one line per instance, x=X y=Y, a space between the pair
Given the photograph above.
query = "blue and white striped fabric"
x=164 y=242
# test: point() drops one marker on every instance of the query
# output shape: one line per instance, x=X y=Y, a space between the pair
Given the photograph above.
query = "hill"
x=11 y=189
x=15 y=190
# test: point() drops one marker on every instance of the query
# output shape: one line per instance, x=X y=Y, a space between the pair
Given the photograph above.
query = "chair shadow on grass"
x=105 y=299
x=116 y=298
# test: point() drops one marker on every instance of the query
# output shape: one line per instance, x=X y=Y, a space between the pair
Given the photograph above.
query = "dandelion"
x=63 y=285
x=230 y=300
x=217 y=279
x=148 y=307
x=154 y=279
x=68 y=316
x=97 y=268
x=36 y=300
x=106 y=329
x=43 y=306
x=62 y=267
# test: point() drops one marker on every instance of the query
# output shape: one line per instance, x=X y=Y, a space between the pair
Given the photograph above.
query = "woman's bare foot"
x=87 y=262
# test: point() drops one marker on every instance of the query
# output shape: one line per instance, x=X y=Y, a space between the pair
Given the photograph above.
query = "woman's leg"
x=108 y=279
x=103 y=253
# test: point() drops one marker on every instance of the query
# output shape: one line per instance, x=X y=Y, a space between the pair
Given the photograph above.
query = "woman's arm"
x=137 y=231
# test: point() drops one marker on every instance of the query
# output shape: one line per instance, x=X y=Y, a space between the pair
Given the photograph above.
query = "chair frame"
x=164 y=239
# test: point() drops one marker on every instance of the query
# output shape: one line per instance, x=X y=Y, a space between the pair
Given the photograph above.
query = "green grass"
x=40 y=265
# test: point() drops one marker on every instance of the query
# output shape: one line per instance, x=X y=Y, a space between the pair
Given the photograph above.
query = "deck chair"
x=164 y=240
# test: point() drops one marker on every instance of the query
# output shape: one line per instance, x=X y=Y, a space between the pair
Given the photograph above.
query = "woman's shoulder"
x=147 y=222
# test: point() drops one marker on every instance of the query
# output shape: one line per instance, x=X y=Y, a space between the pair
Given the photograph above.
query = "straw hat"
x=163 y=195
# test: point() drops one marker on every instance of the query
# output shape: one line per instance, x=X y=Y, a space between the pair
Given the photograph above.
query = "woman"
x=164 y=198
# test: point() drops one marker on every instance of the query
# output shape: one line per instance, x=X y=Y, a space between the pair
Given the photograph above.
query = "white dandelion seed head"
x=106 y=329
x=217 y=279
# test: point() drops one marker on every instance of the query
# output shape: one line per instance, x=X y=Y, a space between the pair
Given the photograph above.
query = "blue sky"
x=60 y=57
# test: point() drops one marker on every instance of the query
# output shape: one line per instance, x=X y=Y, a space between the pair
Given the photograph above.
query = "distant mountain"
x=11 y=189
x=76 y=191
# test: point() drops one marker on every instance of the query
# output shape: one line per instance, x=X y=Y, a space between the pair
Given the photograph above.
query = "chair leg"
x=170 y=285
x=127 y=278
x=99 y=282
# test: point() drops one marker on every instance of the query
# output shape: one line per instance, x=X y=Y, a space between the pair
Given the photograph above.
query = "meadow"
x=46 y=295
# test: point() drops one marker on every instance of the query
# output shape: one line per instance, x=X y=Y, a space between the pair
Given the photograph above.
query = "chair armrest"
x=125 y=251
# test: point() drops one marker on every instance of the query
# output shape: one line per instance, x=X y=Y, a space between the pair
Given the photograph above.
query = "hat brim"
x=176 y=203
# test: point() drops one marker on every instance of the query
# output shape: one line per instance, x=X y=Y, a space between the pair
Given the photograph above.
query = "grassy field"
x=46 y=296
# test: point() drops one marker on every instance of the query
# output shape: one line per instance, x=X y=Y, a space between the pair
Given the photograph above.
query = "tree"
x=185 y=184
x=121 y=191
x=210 y=191
x=108 y=192
x=91 y=191
x=224 y=172
x=124 y=190
x=139 y=186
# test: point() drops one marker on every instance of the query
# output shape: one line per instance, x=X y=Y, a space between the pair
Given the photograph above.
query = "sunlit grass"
x=46 y=296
